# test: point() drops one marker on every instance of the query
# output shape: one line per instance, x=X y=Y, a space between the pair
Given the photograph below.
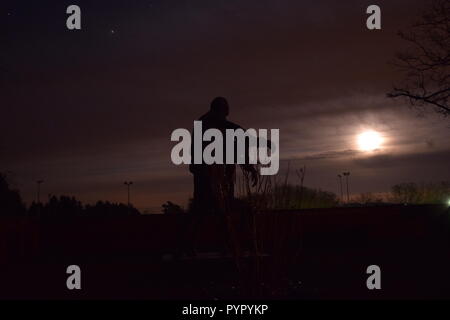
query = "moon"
x=369 y=140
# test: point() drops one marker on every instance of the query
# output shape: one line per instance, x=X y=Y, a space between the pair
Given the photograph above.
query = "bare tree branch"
x=426 y=62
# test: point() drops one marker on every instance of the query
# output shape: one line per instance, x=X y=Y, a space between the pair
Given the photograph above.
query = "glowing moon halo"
x=369 y=140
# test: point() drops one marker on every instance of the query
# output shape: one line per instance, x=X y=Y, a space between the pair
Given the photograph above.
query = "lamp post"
x=39 y=182
x=128 y=184
x=340 y=184
x=346 y=174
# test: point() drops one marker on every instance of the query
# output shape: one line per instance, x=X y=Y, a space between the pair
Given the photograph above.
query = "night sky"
x=86 y=110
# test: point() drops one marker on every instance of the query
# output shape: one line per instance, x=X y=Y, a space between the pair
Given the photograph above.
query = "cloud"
x=331 y=155
x=422 y=160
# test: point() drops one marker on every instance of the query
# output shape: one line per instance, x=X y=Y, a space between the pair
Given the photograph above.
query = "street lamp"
x=340 y=183
x=128 y=184
x=346 y=174
x=39 y=182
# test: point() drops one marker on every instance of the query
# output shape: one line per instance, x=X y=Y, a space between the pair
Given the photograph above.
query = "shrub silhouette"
x=65 y=206
x=10 y=200
x=172 y=208
x=425 y=193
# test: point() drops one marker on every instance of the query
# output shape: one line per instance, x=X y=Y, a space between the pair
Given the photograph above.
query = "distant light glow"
x=369 y=141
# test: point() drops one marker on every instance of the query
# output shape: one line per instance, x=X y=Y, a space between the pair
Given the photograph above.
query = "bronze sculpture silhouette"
x=214 y=183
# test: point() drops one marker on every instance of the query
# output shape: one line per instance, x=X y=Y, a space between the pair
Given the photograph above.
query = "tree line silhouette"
x=11 y=204
x=281 y=196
